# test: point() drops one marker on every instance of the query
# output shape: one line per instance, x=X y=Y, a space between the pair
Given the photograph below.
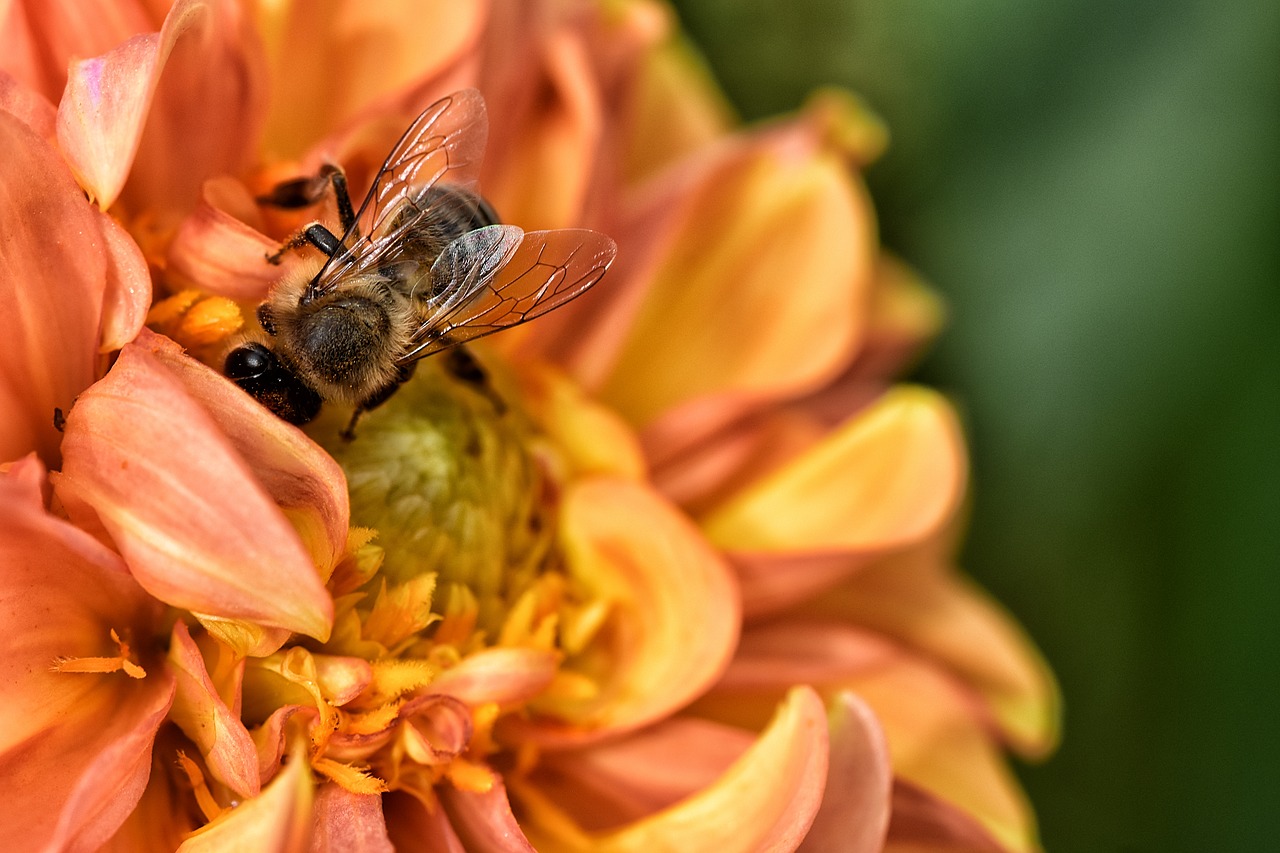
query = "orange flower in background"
x=678 y=575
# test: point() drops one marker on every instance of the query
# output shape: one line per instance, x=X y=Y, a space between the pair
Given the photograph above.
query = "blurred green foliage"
x=1093 y=186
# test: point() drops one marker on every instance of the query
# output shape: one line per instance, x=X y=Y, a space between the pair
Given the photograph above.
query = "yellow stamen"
x=401 y=611
x=460 y=613
x=393 y=677
x=483 y=717
x=377 y=720
x=210 y=320
x=204 y=799
x=122 y=662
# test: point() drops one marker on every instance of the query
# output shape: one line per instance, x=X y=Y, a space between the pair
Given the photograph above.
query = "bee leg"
x=464 y=367
x=377 y=398
x=304 y=192
x=314 y=234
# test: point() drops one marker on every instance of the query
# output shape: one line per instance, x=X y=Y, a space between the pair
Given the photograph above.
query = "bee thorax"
x=348 y=345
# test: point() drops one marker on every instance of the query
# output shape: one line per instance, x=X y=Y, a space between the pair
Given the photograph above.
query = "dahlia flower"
x=679 y=577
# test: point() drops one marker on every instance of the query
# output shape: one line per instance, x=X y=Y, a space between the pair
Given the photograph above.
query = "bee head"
x=261 y=374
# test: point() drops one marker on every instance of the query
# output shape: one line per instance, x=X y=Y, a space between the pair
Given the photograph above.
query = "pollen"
x=196 y=320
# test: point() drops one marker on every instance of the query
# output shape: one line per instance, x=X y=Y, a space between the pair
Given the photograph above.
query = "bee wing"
x=446 y=141
x=494 y=285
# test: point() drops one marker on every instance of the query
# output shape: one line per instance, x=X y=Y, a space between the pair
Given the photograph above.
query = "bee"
x=423 y=266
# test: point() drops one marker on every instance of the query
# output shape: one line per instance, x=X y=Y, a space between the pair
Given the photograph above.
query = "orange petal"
x=75 y=748
x=152 y=96
x=765 y=801
x=855 y=804
x=29 y=106
x=483 y=821
x=413 y=825
x=349 y=823
x=889 y=476
x=217 y=252
x=53 y=274
x=196 y=526
x=303 y=480
x=207 y=721
x=128 y=294
x=279 y=819
x=385 y=47
x=913 y=598
x=503 y=675
x=675 y=609
x=714 y=321
x=923 y=823
x=38 y=39
x=936 y=728
x=616 y=782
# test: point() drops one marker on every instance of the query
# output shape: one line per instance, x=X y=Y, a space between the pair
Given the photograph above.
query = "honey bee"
x=423 y=266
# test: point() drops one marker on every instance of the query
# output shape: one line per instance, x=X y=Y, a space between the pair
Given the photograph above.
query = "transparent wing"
x=480 y=297
x=445 y=143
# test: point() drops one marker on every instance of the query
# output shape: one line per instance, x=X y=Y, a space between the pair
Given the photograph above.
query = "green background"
x=1093 y=186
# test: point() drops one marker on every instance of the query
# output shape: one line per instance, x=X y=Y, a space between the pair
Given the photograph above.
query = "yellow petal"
x=755 y=312
x=887 y=477
x=675 y=608
x=279 y=819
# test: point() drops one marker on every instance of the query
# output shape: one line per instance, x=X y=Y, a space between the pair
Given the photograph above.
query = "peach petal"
x=888 y=477
x=854 y=815
x=771 y=583
x=617 y=782
x=385 y=48
x=772 y=206
x=300 y=476
x=765 y=801
x=197 y=528
x=219 y=253
x=502 y=675
x=342 y=679
x=160 y=820
x=414 y=825
x=38 y=39
x=483 y=822
x=278 y=819
x=349 y=823
x=75 y=748
x=271 y=738
x=913 y=598
x=53 y=272
x=30 y=107
x=128 y=294
x=675 y=609
x=152 y=96
x=207 y=721
x=936 y=728
x=923 y=823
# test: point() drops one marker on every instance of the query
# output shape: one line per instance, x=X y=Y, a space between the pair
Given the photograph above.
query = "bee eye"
x=248 y=361
x=267 y=319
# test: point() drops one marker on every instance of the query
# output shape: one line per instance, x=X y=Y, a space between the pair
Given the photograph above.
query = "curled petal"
x=349 y=823
x=207 y=721
x=278 y=819
x=152 y=96
x=504 y=675
x=483 y=820
x=922 y=822
x=302 y=479
x=53 y=274
x=675 y=609
x=768 y=338
x=914 y=598
x=890 y=476
x=765 y=801
x=219 y=253
x=128 y=293
x=855 y=807
x=616 y=782
x=197 y=528
x=75 y=747
x=937 y=729
x=38 y=39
